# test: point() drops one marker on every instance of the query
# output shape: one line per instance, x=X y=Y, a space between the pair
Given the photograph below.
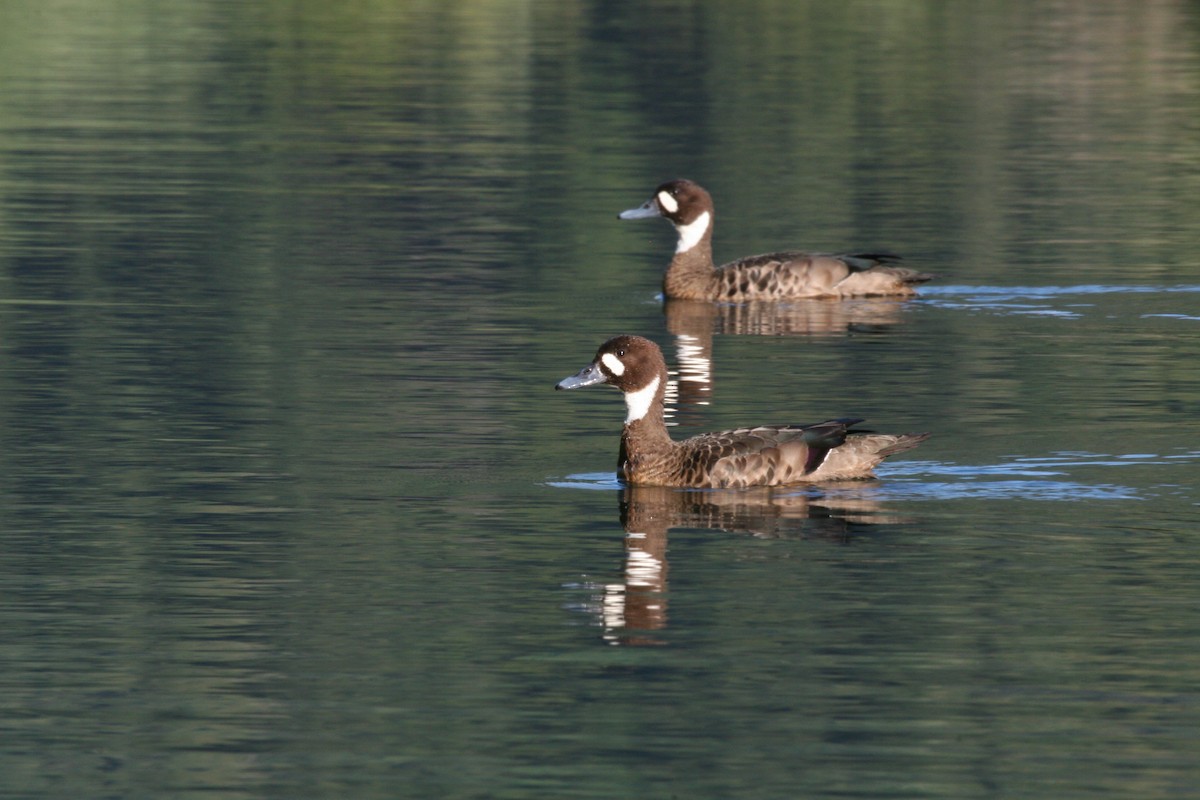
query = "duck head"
x=687 y=205
x=632 y=364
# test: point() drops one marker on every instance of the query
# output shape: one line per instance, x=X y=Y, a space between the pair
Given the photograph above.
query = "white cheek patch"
x=669 y=204
x=691 y=234
x=614 y=364
x=638 y=403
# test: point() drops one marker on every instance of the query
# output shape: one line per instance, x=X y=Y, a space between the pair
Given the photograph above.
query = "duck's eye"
x=620 y=354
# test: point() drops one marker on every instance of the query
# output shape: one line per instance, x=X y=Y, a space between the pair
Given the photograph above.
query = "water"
x=288 y=507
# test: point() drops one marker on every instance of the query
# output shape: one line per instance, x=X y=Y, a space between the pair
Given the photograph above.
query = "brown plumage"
x=762 y=456
x=692 y=275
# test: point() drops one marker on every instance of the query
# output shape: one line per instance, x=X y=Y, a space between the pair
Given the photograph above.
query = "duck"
x=691 y=275
x=766 y=455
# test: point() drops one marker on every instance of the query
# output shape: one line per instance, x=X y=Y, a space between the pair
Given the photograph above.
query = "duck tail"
x=905 y=441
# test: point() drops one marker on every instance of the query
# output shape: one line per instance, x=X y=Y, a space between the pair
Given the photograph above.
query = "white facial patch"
x=639 y=402
x=691 y=234
x=669 y=204
x=614 y=364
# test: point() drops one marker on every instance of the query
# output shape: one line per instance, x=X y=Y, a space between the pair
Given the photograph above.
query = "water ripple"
x=602 y=481
x=1023 y=477
x=1048 y=301
x=1042 y=292
x=1045 y=490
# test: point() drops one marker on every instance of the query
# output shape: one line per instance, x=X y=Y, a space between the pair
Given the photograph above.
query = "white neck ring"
x=691 y=234
x=638 y=403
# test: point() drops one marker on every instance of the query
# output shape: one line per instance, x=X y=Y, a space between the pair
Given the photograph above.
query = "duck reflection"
x=694 y=323
x=633 y=610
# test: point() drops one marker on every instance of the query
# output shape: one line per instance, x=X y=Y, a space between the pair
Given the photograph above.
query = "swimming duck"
x=692 y=275
x=763 y=456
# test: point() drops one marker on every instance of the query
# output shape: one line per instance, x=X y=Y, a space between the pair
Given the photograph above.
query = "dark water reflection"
x=283 y=293
x=694 y=324
x=632 y=610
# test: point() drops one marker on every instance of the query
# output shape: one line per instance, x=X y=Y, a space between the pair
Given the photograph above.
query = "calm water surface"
x=288 y=507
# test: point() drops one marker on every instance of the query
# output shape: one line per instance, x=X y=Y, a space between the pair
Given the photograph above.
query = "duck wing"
x=799 y=274
x=761 y=456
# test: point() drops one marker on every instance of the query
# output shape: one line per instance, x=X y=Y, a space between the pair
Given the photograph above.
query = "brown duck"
x=763 y=456
x=692 y=275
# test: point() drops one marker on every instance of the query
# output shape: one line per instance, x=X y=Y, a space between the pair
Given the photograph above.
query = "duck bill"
x=646 y=209
x=588 y=376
